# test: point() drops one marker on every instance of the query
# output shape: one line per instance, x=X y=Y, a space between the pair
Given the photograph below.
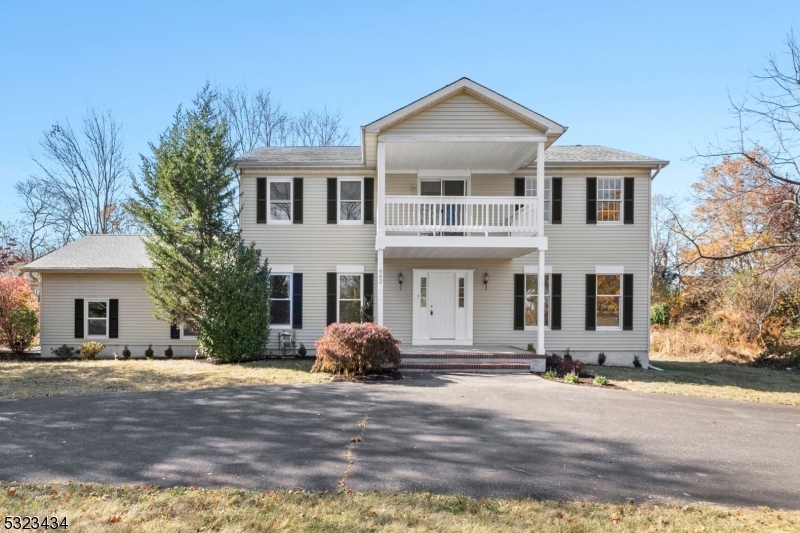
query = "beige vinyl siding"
x=462 y=114
x=371 y=151
x=313 y=248
x=137 y=325
x=401 y=184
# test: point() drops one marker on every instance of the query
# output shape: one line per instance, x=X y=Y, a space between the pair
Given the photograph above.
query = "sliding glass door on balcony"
x=439 y=214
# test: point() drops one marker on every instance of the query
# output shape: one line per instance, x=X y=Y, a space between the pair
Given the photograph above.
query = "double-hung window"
x=351 y=201
x=608 y=301
x=279 y=198
x=280 y=313
x=96 y=314
x=188 y=331
x=532 y=300
x=609 y=200
x=530 y=190
x=350 y=297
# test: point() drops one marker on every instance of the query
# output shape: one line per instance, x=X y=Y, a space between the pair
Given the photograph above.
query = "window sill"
x=536 y=328
x=96 y=337
x=608 y=328
x=351 y=223
x=279 y=222
x=610 y=223
x=280 y=326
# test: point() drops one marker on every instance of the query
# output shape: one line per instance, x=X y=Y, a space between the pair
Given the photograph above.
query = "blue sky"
x=648 y=77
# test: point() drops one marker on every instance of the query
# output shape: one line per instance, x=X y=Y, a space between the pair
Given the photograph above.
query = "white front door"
x=442 y=306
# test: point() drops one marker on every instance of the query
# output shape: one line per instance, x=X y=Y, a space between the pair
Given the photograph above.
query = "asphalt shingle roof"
x=302 y=154
x=96 y=252
x=589 y=153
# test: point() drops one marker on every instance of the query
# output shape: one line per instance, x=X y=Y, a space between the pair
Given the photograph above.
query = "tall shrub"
x=19 y=323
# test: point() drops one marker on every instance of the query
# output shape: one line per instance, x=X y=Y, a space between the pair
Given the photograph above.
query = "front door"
x=442 y=307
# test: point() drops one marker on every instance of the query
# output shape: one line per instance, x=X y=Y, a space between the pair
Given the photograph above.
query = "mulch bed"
x=583 y=379
x=387 y=374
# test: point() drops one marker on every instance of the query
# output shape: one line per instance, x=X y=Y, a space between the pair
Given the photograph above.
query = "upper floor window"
x=351 y=201
x=280 y=200
x=609 y=200
x=530 y=190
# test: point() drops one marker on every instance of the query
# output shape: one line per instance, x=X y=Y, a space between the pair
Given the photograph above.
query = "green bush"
x=149 y=353
x=355 y=348
x=636 y=362
x=126 y=353
x=659 y=314
x=302 y=351
x=64 y=352
x=571 y=378
x=531 y=348
x=551 y=374
x=601 y=358
x=20 y=328
x=600 y=381
x=91 y=349
x=168 y=353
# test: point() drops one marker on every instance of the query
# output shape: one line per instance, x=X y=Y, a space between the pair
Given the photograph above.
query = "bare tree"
x=36 y=233
x=320 y=127
x=84 y=180
x=254 y=119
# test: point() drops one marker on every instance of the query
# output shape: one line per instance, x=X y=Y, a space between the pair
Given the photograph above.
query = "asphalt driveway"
x=510 y=435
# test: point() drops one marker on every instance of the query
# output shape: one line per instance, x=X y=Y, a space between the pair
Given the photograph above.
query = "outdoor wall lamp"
x=400 y=280
x=486 y=280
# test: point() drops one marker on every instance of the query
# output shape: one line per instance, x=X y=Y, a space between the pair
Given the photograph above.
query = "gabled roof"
x=475 y=89
x=596 y=155
x=302 y=156
x=95 y=253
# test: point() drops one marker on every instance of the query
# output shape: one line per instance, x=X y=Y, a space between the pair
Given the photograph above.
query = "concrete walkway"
x=510 y=435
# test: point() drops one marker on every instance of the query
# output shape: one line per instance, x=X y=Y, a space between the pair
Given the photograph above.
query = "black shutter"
x=627 y=301
x=555 y=301
x=332 y=201
x=556 y=192
x=261 y=200
x=591 y=301
x=79 y=318
x=628 y=208
x=113 y=319
x=297 y=214
x=331 y=296
x=369 y=200
x=591 y=200
x=369 y=290
x=519 y=301
x=174 y=331
x=297 y=301
x=519 y=186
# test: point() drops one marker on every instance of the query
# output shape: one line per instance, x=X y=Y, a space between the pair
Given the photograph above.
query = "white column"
x=540 y=189
x=540 y=305
x=381 y=276
x=381 y=222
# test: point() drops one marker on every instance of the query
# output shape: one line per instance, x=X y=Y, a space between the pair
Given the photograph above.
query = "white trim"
x=548 y=181
x=441 y=342
x=349 y=269
x=187 y=337
x=418 y=337
x=534 y=269
x=467 y=179
x=339 y=293
x=458 y=173
x=547 y=272
x=86 y=318
x=281 y=269
x=621 y=201
x=463 y=138
x=609 y=269
x=290 y=273
x=339 y=220
x=280 y=179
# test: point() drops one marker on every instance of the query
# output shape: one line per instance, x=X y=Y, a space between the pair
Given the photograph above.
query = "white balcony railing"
x=461 y=214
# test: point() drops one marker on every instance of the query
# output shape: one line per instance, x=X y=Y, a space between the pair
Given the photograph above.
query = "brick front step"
x=520 y=367
x=523 y=356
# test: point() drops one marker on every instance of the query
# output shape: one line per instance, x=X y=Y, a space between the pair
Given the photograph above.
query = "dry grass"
x=55 y=378
x=688 y=345
x=95 y=508
x=710 y=380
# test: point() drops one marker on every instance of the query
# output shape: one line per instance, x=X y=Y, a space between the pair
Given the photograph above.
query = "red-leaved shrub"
x=355 y=349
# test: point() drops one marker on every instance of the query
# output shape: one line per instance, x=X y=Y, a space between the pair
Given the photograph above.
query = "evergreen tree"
x=202 y=270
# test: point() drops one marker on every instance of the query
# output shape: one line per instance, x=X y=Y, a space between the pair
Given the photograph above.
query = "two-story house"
x=458 y=222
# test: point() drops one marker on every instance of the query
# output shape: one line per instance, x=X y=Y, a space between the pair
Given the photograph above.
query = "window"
x=531 y=299
x=188 y=331
x=280 y=313
x=608 y=301
x=280 y=201
x=530 y=190
x=351 y=199
x=609 y=200
x=461 y=292
x=96 y=318
x=350 y=297
x=423 y=292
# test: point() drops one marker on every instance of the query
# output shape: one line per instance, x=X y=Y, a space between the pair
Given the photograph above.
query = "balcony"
x=489 y=227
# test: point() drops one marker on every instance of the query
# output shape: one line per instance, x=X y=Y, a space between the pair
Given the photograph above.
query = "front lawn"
x=711 y=380
x=55 y=378
x=96 y=508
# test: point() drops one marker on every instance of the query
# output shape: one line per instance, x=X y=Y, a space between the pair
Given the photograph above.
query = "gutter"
x=657 y=171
